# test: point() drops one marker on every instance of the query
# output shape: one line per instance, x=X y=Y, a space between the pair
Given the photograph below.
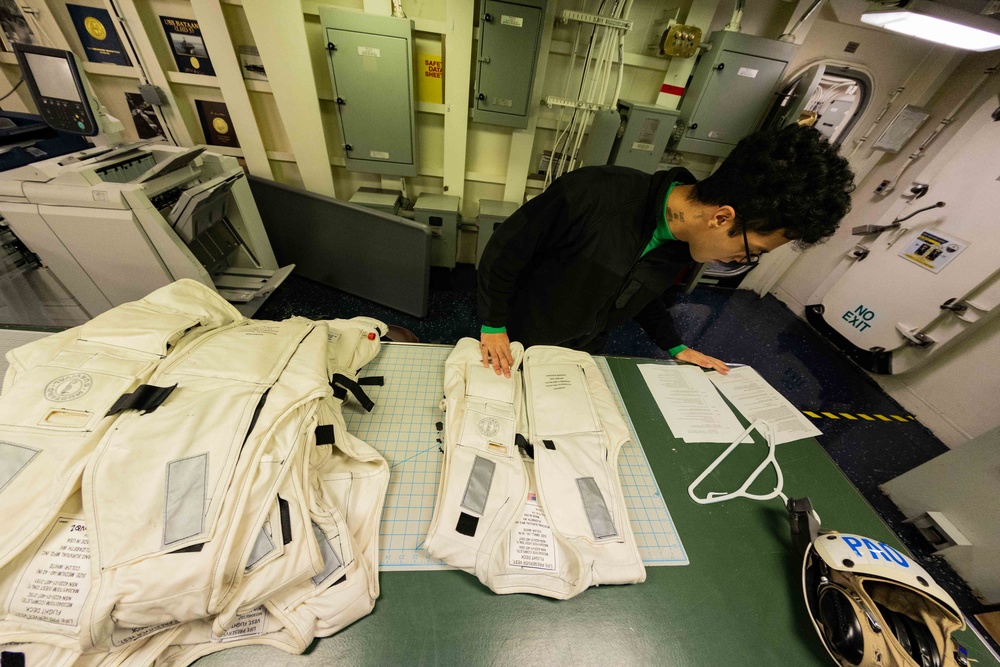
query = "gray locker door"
x=370 y=75
x=509 y=43
x=738 y=92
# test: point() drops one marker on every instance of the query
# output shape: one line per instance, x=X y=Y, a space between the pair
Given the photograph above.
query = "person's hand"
x=694 y=357
x=496 y=352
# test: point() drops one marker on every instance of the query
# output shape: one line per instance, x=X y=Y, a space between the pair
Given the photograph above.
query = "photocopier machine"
x=115 y=222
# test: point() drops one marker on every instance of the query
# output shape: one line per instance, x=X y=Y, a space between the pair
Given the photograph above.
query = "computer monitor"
x=59 y=92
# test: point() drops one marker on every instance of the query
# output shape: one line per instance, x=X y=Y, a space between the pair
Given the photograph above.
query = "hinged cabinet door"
x=372 y=84
x=735 y=97
x=507 y=57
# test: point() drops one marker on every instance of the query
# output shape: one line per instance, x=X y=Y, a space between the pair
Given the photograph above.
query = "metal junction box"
x=386 y=201
x=371 y=65
x=732 y=88
x=492 y=213
x=646 y=131
x=440 y=212
x=509 y=38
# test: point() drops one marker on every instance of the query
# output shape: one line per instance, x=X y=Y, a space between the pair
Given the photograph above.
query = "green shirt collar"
x=662 y=233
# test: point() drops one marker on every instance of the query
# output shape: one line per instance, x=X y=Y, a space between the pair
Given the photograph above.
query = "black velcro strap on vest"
x=341 y=382
x=11 y=659
x=525 y=446
x=286 y=520
x=467 y=524
x=373 y=380
x=325 y=435
x=549 y=444
x=146 y=397
x=192 y=549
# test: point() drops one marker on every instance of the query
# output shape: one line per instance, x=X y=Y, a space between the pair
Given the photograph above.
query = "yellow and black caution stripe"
x=859 y=416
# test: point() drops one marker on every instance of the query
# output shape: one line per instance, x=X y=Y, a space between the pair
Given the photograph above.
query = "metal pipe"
x=790 y=35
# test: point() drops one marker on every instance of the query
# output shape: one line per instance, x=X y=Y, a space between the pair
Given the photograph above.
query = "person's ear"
x=723 y=217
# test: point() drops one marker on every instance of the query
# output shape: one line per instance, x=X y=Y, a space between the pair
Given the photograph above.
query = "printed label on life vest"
x=245 y=625
x=121 y=636
x=56 y=582
x=560 y=399
x=515 y=21
x=261 y=330
x=532 y=545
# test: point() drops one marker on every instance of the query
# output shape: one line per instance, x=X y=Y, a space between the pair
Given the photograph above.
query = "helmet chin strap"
x=764 y=428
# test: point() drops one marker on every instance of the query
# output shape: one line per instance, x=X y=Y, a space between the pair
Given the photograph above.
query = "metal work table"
x=739 y=602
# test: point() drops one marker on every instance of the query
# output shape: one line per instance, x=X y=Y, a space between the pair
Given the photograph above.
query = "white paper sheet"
x=756 y=399
x=692 y=407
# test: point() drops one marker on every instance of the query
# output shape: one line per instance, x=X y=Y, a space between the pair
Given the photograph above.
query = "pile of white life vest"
x=176 y=479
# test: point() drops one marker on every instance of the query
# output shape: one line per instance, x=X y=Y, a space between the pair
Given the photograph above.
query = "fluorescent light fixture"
x=938 y=23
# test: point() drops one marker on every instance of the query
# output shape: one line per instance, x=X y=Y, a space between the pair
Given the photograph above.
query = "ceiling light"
x=938 y=23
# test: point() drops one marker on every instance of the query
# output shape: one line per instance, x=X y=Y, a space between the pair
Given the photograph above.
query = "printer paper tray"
x=244 y=285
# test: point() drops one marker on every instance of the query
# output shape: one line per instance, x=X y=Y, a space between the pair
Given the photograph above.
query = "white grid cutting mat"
x=402 y=427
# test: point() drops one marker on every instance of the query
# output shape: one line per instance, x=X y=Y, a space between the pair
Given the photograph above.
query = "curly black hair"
x=790 y=179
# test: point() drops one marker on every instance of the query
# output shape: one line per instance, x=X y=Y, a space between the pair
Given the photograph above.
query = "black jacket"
x=565 y=268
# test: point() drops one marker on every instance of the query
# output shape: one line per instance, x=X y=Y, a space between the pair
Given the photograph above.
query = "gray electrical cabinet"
x=441 y=213
x=732 y=87
x=643 y=137
x=492 y=213
x=371 y=66
x=510 y=35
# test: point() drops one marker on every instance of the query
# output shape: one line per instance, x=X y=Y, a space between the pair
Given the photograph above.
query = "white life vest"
x=59 y=390
x=340 y=509
x=186 y=489
x=529 y=499
x=58 y=402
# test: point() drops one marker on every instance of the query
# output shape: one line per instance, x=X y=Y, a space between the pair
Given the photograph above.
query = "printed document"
x=694 y=410
x=756 y=399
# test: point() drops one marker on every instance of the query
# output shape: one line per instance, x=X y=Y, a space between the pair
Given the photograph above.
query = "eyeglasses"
x=751 y=258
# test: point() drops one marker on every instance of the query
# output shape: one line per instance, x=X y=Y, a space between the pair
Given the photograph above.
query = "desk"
x=739 y=602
